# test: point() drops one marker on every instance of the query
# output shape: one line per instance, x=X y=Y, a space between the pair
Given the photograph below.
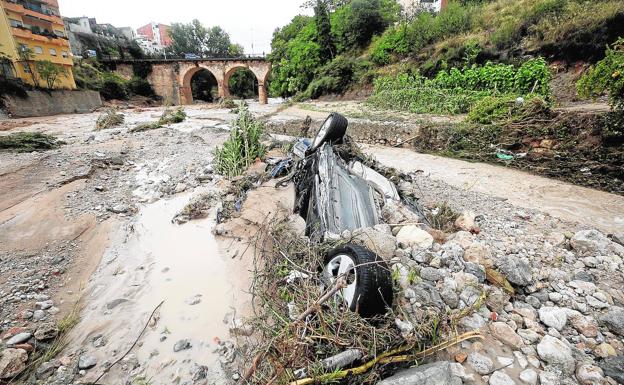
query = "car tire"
x=369 y=290
x=332 y=130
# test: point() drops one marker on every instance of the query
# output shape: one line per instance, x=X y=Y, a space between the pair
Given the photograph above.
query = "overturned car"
x=335 y=197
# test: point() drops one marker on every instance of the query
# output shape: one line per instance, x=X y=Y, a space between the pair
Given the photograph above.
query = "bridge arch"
x=261 y=73
x=186 y=90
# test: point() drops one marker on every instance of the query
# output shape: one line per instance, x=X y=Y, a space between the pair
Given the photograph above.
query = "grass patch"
x=243 y=147
x=28 y=142
x=109 y=119
x=169 y=116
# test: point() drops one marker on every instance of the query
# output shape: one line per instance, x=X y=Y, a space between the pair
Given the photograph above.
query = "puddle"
x=160 y=261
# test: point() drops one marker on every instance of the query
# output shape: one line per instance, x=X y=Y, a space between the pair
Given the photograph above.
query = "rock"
x=472 y=322
x=431 y=274
x=119 y=209
x=501 y=378
x=554 y=317
x=555 y=352
x=496 y=299
x=528 y=376
x=506 y=335
x=198 y=372
x=530 y=335
x=604 y=350
x=46 y=369
x=86 y=362
x=549 y=378
x=342 y=360
x=414 y=236
x=516 y=270
x=587 y=326
x=44 y=305
x=182 y=345
x=12 y=362
x=114 y=303
x=427 y=294
x=450 y=297
x=437 y=373
x=459 y=371
x=505 y=361
x=194 y=300
x=382 y=243
x=46 y=331
x=466 y=222
x=480 y=363
x=405 y=327
x=19 y=338
x=522 y=361
x=38 y=315
x=480 y=254
x=613 y=367
x=594 y=242
x=589 y=375
x=614 y=320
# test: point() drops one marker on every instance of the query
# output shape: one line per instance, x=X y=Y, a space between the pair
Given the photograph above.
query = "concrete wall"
x=41 y=103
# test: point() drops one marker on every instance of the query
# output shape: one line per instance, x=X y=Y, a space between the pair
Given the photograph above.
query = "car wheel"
x=369 y=282
x=332 y=130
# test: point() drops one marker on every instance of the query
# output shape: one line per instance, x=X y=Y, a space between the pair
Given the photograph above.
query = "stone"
x=516 y=270
x=496 y=299
x=528 y=376
x=530 y=335
x=613 y=367
x=549 y=378
x=46 y=331
x=119 y=209
x=506 y=335
x=449 y=296
x=427 y=294
x=86 y=362
x=614 y=320
x=472 y=322
x=466 y=222
x=459 y=371
x=438 y=373
x=431 y=274
x=596 y=303
x=480 y=254
x=521 y=359
x=194 y=300
x=38 y=315
x=554 y=317
x=555 y=352
x=594 y=242
x=414 y=236
x=587 y=326
x=501 y=378
x=182 y=345
x=505 y=361
x=19 y=338
x=589 y=375
x=12 y=362
x=382 y=243
x=480 y=363
x=604 y=350
x=44 y=305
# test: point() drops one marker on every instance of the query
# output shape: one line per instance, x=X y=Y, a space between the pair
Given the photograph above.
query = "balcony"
x=42 y=36
x=35 y=12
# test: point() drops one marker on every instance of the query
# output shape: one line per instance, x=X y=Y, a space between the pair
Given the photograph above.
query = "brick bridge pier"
x=171 y=78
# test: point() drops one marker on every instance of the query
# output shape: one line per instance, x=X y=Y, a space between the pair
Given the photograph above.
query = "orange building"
x=32 y=31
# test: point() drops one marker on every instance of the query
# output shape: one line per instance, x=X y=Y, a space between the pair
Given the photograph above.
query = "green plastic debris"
x=504 y=156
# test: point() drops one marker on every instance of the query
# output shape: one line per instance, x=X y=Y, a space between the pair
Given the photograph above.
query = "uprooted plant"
x=109 y=119
x=300 y=325
x=28 y=141
x=242 y=148
x=169 y=116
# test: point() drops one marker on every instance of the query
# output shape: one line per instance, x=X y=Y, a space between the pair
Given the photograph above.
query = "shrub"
x=243 y=146
x=170 y=116
x=336 y=76
x=140 y=86
x=606 y=76
x=12 y=87
x=496 y=109
x=109 y=119
x=113 y=87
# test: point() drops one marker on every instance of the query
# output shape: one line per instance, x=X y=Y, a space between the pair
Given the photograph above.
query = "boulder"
x=555 y=352
x=614 y=320
x=516 y=270
x=479 y=253
x=46 y=331
x=414 y=236
x=19 y=338
x=505 y=334
x=86 y=362
x=466 y=222
x=379 y=242
x=480 y=363
x=594 y=242
x=12 y=362
x=614 y=368
x=589 y=375
x=554 y=317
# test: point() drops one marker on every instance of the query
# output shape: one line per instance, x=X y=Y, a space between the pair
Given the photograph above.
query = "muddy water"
x=599 y=209
x=156 y=261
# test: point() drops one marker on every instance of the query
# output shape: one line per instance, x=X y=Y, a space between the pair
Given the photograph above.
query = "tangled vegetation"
x=109 y=119
x=243 y=147
x=169 y=116
x=607 y=76
x=91 y=75
x=28 y=141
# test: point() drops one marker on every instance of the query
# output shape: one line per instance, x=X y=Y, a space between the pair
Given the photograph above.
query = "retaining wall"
x=40 y=103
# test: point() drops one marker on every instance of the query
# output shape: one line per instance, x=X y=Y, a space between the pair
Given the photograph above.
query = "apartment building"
x=34 y=27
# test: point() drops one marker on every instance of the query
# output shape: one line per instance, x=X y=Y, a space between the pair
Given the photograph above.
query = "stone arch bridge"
x=171 y=78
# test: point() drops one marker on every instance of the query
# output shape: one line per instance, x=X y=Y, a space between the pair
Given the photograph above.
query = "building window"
x=16 y=23
x=52 y=51
x=38 y=50
x=26 y=67
x=64 y=54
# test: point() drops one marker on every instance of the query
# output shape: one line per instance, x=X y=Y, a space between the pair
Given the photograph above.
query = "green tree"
x=356 y=23
x=324 y=36
x=195 y=38
x=26 y=56
x=50 y=72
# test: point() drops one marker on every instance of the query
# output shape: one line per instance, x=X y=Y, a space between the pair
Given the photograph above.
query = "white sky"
x=249 y=22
